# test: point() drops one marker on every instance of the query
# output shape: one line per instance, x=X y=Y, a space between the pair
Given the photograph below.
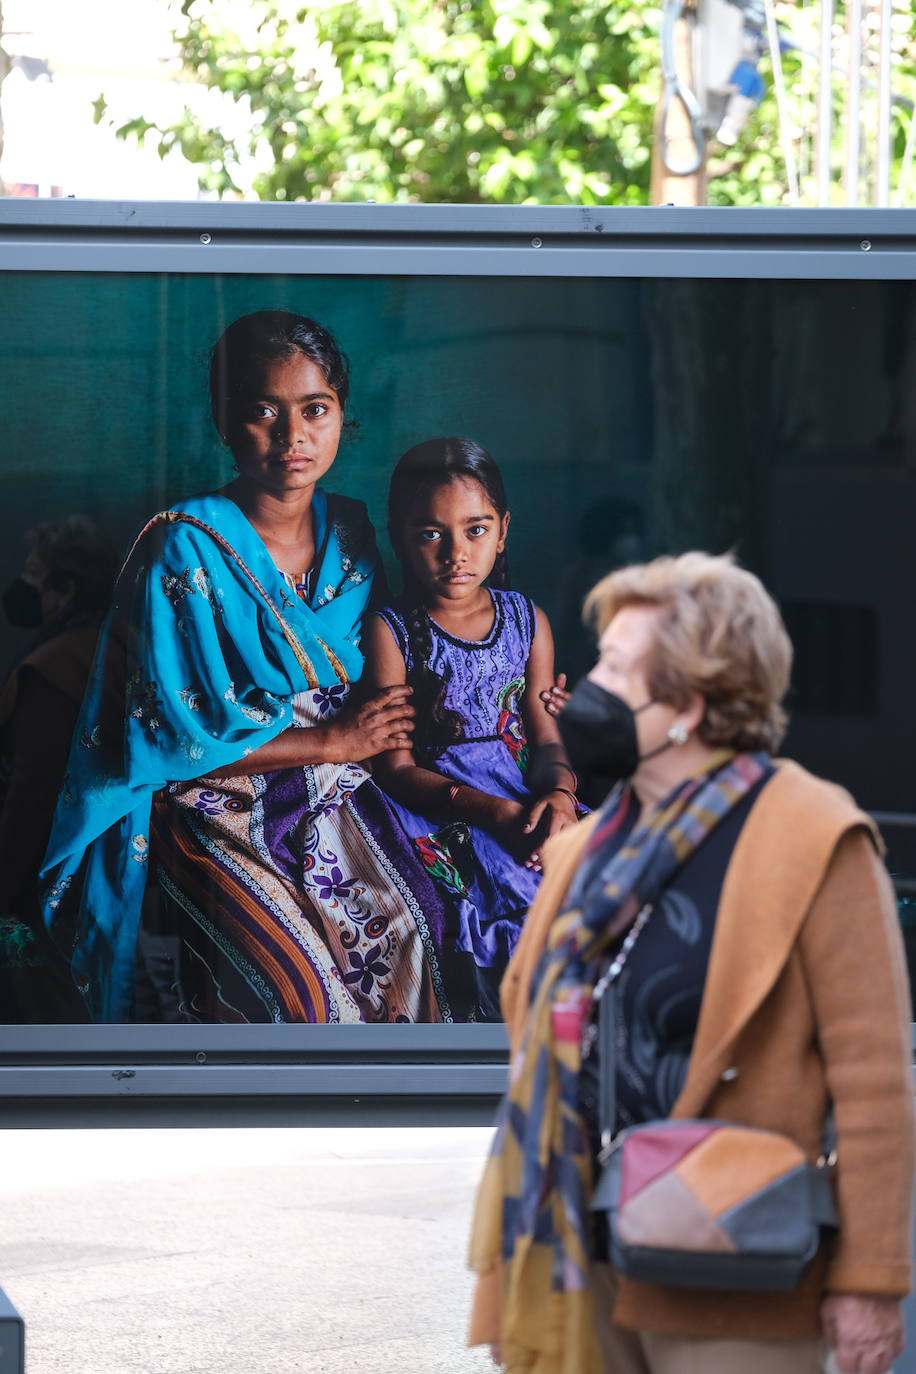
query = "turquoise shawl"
x=197 y=665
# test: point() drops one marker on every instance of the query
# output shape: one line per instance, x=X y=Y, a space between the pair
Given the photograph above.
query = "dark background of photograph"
x=630 y=418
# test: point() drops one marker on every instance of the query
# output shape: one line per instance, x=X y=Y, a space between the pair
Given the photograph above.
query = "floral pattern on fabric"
x=366 y=968
x=213 y=802
x=145 y=704
x=329 y=699
x=438 y=854
x=294 y=864
x=178 y=585
x=509 y=726
x=57 y=892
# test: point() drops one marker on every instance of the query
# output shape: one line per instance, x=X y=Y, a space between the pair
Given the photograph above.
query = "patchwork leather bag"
x=705 y=1204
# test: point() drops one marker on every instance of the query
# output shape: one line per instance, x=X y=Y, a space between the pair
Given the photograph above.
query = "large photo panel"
x=298 y=770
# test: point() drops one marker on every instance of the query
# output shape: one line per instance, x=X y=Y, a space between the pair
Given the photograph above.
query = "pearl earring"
x=677 y=734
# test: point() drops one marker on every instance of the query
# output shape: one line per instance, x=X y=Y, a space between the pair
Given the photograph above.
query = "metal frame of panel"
x=99 y=1075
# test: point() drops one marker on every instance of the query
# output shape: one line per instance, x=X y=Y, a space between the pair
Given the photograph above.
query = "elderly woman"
x=765 y=981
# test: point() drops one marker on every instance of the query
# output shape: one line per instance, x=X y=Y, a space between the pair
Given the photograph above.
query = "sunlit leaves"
x=465 y=100
x=510 y=100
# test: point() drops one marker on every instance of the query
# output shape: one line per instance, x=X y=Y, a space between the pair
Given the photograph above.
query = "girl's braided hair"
x=419 y=472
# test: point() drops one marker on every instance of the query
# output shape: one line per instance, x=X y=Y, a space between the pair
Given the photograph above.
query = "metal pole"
x=825 y=103
x=884 y=106
x=782 y=106
x=854 y=102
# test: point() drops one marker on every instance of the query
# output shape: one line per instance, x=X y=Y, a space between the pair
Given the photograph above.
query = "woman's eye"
x=427 y=536
x=262 y=411
x=476 y=531
x=316 y=409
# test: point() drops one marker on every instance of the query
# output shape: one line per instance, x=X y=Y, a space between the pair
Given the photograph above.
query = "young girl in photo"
x=485 y=780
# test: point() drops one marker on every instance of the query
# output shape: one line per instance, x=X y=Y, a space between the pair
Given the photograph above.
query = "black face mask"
x=598 y=730
x=22 y=604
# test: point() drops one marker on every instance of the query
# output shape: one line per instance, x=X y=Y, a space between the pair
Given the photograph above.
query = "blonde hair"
x=720 y=634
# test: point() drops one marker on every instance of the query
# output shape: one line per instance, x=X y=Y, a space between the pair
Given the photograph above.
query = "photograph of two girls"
x=294 y=578
x=277 y=782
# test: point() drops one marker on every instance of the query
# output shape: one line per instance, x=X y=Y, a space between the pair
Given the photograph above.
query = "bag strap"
x=607 y=1066
x=606 y=995
x=603 y=993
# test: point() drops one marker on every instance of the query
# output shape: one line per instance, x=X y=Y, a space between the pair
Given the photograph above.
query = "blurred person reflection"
x=610 y=535
x=62 y=594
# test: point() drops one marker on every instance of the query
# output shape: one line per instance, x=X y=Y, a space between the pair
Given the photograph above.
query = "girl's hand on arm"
x=385 y=670
x=396 y=769
x=382 y=723
x=423 y=789
x=385 y=721
x=555 y=696
x=550 y=767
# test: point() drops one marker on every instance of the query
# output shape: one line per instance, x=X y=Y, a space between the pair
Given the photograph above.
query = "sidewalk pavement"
x=249 y=1251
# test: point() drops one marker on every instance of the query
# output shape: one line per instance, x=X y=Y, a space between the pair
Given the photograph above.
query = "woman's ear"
x=692 y=713
x=503 y=531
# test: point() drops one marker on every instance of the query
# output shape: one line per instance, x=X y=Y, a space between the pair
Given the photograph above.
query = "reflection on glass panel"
x=250 y=825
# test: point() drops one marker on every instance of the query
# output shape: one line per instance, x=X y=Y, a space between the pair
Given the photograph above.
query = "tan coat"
x=806 y=994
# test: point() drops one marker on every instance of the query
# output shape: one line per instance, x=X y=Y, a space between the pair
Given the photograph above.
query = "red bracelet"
x=567 y=793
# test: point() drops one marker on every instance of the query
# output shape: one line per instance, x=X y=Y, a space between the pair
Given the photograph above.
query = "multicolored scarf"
x=532 y=1209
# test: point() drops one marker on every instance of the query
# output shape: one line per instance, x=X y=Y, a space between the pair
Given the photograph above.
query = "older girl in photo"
x=219 y=749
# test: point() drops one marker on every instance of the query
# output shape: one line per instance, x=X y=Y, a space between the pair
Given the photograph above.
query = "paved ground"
x=240 y=1252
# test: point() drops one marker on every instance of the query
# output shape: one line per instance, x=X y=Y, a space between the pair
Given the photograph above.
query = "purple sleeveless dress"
x=489 y=892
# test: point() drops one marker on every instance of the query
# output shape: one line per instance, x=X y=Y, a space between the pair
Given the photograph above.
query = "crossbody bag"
x=703 y=1203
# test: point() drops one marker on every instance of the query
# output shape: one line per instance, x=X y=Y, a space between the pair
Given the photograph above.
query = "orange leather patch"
x=734 y=1164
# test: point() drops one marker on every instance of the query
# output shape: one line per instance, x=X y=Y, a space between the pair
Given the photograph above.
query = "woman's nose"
x=289 y=429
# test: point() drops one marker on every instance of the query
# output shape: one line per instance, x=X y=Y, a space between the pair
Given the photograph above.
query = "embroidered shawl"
x=197 y=665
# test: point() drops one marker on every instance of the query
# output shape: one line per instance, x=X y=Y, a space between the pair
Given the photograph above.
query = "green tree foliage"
x=511 y=101
x=433 y=100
